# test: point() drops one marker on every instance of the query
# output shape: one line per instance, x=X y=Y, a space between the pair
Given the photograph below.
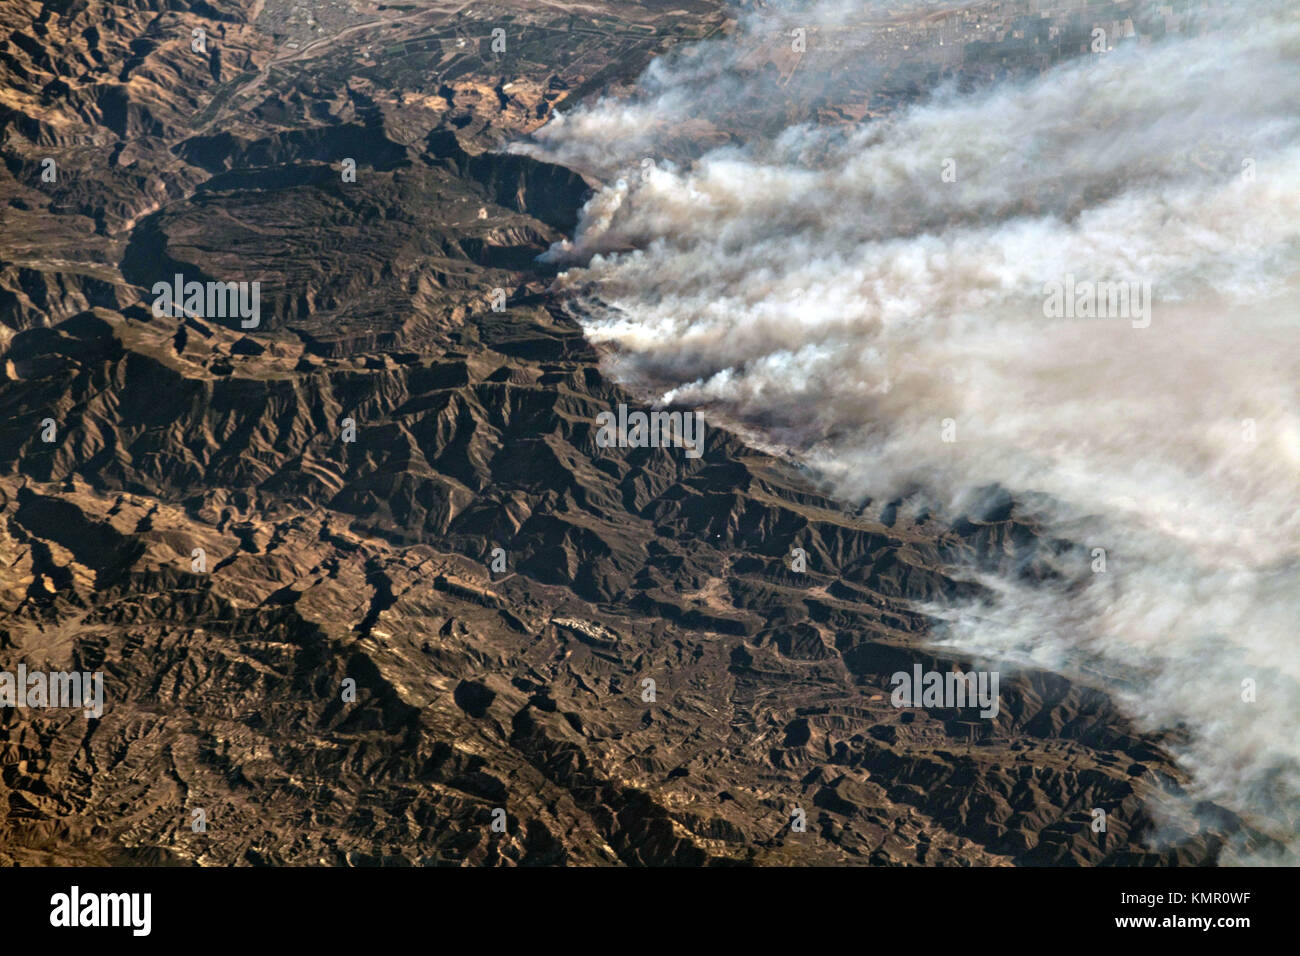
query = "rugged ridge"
x=371 y=561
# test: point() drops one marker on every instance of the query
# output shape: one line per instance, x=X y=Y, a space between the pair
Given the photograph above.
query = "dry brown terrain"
x=371 y=560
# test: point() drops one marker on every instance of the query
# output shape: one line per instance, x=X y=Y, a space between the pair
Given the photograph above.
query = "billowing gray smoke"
x=886 y=301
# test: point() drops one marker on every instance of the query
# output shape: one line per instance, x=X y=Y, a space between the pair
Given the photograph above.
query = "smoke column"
x=824 y=288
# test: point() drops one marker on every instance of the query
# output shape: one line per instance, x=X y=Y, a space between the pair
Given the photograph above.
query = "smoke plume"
x=873 y=296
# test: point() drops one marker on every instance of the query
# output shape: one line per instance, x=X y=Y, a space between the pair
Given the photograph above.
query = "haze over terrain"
x=828 y=291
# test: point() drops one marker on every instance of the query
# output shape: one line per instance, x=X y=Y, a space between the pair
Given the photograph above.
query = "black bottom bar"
x=923 y=906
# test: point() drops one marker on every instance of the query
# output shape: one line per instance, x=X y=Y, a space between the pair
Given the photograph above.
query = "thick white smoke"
x=831 y=291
